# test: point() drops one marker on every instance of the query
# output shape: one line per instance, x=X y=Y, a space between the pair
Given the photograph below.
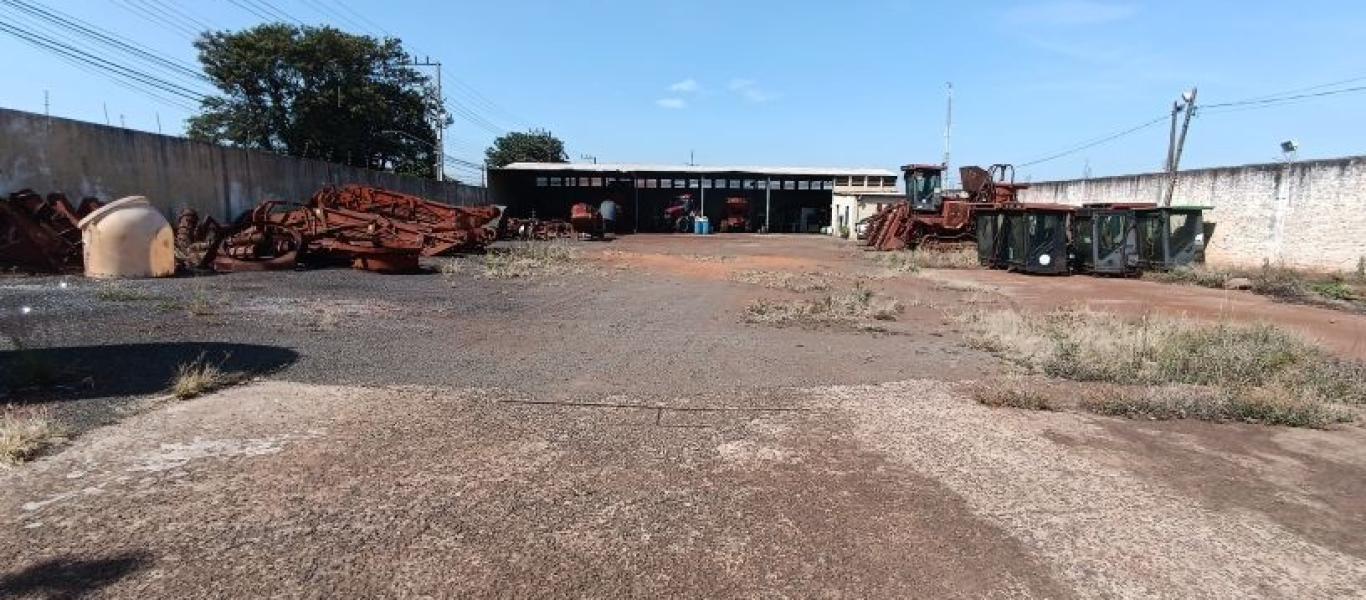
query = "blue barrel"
x=703 y=226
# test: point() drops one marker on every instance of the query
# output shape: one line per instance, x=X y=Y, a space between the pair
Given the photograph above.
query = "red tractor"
x=678 y=216
x=737 y=216
x=929 y=214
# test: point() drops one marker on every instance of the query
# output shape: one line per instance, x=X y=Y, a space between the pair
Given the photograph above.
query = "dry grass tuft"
x=198 y=378
x=118 y=292
x=942 y=257
x=855 y=305
x=783 y=280
x=528 y=259
x=1282 y=283
x=23 y=435
x=1254 y=373
x=1267 y=406
x=1010 y=394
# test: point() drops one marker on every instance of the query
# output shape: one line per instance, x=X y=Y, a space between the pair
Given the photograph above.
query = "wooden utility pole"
x=1180 y=145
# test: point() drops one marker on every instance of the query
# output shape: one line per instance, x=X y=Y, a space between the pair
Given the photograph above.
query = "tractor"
x=929 y=214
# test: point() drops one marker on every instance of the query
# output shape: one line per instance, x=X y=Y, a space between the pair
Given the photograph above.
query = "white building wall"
x=1308 y=214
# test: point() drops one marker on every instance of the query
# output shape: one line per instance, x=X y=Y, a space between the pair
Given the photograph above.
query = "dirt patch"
x=406 y=494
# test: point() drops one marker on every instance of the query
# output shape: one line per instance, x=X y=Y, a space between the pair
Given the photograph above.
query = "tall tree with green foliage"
x=318 y=92
x=537 y=145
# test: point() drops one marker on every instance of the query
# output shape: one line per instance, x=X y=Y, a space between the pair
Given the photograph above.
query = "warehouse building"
x=780 y=199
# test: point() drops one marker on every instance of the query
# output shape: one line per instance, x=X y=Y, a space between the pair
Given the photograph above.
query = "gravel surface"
x=623 y=432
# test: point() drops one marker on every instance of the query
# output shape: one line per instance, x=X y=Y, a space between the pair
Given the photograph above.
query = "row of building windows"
x=871 y=181
x=687 y=184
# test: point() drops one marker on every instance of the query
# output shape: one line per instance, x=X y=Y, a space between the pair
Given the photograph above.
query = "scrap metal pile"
x=40 y=234
x=370 y=228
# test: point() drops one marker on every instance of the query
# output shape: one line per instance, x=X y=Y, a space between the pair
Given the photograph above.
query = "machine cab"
x=924 y=186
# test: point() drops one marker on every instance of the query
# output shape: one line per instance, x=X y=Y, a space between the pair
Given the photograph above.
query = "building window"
x=554 y=182
x=706 y=184
x=541 y=182
x=803 y=185
x=666 y=183
x=734 y=184
x=827 y=185
x=788 y=184
x=692 y=183
x=651 y=183
x=595 y=182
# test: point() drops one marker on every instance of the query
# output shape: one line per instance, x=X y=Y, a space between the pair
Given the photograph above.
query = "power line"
x=157 y=19
x=108 y=39
x=1286 y=99
x=1267 y=101
x=101 y=62
x=1097 y=142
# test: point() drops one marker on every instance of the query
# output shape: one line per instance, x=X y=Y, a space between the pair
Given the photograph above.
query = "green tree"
x=318 y=92
x=537 y=145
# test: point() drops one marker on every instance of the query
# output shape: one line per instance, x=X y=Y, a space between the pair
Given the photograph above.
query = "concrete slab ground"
x=622 y=432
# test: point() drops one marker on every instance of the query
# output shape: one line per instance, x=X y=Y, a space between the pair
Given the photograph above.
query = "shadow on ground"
x=78 y=372
x=70 y=578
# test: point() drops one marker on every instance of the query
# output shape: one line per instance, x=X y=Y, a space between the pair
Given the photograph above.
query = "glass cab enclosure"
x=990 y=227
x=1170 y=237
x=1036 y=240
x=1105 y=242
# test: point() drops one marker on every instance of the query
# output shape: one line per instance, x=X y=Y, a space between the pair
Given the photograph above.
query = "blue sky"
x=858 y=83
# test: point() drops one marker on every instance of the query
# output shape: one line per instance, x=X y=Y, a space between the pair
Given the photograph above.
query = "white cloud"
x=671 y=103
x=687 y=86
x=750 y=90
x=1069 y=13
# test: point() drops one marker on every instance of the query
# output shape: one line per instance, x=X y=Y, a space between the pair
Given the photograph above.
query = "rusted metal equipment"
x=536 y=229
x=196 y=241
x=372 y=229
x=737 y=216
x=931 y=215
x=41 y=234
x=586 y=220
x=440 y=228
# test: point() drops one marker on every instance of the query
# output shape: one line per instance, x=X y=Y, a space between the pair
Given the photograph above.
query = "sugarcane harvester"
x=931 y=215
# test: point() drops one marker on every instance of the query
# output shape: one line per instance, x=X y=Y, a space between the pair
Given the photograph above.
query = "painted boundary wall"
x=1309 y=214
x=89 y=160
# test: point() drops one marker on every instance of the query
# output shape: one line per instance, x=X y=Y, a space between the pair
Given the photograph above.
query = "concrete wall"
x=1308 y=214
x=85 y=159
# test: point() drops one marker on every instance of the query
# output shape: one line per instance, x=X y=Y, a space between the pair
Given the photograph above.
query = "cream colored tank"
x=128 y=238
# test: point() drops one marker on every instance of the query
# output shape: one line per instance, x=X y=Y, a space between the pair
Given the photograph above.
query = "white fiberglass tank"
x=126 y=239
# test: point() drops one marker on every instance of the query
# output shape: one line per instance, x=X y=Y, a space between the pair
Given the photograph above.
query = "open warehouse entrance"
x=774 y=199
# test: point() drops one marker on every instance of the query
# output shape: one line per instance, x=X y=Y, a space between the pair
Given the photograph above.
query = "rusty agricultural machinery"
x=930 y=215
x=371 y=228
x=42 y=234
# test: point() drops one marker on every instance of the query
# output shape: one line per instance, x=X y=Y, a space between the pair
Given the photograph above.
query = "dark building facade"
x=780 y=199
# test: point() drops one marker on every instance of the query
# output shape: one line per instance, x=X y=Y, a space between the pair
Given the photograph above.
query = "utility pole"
x=122 y=123
x=440 y=159
x=106 y=113
x=692 y=159
x=46 y=111
x=948 y=135
x=1189 y=98
x=158 y=123
x=589 y=157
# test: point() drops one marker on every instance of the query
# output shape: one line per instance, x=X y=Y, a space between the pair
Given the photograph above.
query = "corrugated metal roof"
x=700 y=169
